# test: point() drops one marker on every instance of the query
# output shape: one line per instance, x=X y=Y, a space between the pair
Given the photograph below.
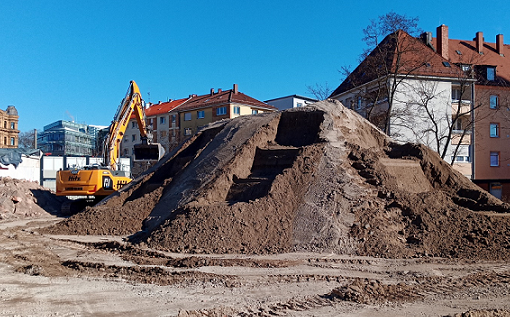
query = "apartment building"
x=452 y=95
x=9 y=128
x=489 y=62
x=292 y=101
x=163 y=119
x=217 y=105
x=176 y=120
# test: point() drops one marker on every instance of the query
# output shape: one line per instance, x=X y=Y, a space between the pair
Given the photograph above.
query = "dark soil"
x=318 y=179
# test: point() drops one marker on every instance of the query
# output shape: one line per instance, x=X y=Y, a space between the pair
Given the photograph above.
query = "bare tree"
x=320 y=91
x=26 y=140
x=386 y=24
x=446 y=122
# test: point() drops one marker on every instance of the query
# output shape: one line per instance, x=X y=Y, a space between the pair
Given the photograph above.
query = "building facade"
x=163 y=119
x=66 y=138
x=9 y=132
x=176 y=120
x=198 y=111
x=489 y=62
x=455 y=90
x=293 y=101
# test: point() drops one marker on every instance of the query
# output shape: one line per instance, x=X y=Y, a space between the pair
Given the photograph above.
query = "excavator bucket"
x=148 y=152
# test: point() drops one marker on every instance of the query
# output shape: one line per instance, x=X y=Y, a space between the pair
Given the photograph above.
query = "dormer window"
x=491 y=73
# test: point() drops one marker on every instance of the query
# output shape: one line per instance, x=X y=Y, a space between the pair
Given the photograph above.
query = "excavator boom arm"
x=131 y=104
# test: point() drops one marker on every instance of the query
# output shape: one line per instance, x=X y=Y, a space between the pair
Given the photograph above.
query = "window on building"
x=133 y=137
x=134 y=123
x=200 y=114
x=253 y=111
x=457 y=125
x=359 y=103
x=173 y=118
x=456 y=94
x=187 y=116
x=494 y=158
x=13 y=125
x=299 y=104
x=494 y=128
x=221 y=111
x=187 y=131
x=237 y=110
x=13 y=141
x=162 y=120
x=461 y=158
x=494 y=102
x=491 y=73
x=496 y=189
x=5 y=124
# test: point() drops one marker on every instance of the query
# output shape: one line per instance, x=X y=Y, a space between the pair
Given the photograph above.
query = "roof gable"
x=399 y=53
x=223 y=97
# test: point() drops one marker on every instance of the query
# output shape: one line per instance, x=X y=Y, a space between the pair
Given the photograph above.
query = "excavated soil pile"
x=22 y=199
x=319 y=178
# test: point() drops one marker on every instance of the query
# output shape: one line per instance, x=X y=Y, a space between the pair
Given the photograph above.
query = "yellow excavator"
x=93 y=183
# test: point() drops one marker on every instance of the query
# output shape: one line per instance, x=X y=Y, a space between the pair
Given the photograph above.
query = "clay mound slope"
x=21 y=199
x=319 y=178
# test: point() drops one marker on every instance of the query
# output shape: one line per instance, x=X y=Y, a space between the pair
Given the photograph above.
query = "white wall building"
x=293 y=101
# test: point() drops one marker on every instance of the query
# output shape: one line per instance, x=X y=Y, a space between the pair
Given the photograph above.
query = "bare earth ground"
x=48 y=275
x=307 y=212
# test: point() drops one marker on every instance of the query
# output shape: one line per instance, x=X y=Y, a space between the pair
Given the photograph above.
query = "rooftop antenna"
x=70 y=116
x=149 y=94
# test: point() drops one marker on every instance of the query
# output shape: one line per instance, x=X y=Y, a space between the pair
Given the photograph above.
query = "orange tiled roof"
x=163 y=107
x=466 y=52
x=416 y=59
x=223 y=97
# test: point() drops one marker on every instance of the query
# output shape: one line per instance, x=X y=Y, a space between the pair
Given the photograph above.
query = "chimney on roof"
x=442 y=41
x=427 y=39
x=235 y=89
x=219 y=90
x=212 y=91
x=479 y=42
x=499 y=44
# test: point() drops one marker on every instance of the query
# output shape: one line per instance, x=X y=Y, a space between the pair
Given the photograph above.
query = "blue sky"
x=63 y=60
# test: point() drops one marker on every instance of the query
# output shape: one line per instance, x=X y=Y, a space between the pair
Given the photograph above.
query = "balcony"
x=458 y=134
x=464 y=108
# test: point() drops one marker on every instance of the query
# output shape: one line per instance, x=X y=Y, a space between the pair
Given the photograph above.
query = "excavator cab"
x=148 y=152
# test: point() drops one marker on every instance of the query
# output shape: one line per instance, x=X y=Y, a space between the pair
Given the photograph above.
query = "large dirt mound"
x=319 y=178
x=24 y=199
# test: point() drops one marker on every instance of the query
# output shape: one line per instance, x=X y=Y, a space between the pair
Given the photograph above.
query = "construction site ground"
x=61 y=275
x=307 y=212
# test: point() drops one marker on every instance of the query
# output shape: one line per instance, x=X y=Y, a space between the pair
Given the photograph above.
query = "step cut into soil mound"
x=318 y=178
